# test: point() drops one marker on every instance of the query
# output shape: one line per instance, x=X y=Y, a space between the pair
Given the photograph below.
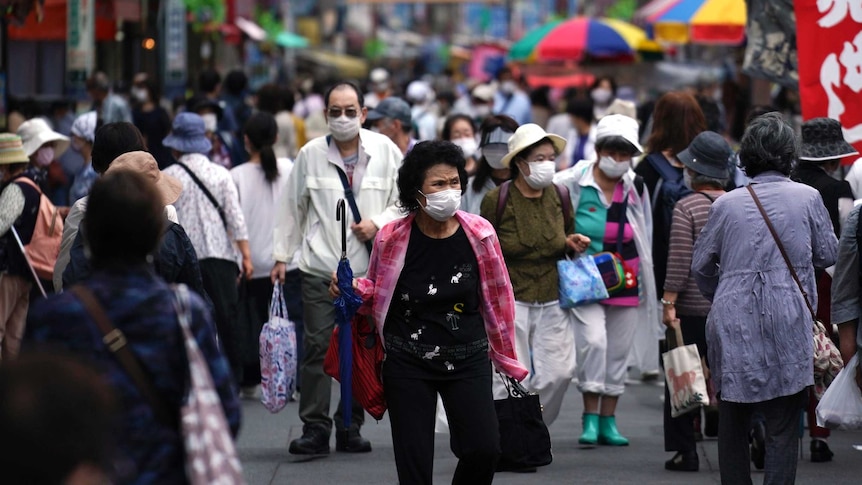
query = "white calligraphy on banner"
x=850 y=59
x=838 y=10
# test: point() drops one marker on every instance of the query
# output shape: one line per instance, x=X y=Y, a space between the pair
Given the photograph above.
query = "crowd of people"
x=463 y=199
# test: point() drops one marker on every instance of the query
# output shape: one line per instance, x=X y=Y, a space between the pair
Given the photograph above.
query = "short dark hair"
x=113 y=140
x=208 y=80
x=768 y=143
x=446 y=133
x=98 y=82
x=124 y=220
x=423 y=156
x=610 y=79
x=615 y=143
x=235 y=82
x=56 y=414
x=580 y=108
x=341 y=84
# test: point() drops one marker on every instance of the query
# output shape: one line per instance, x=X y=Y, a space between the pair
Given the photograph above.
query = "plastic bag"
x=841 y=404
x=580 y=282
x=277 y=355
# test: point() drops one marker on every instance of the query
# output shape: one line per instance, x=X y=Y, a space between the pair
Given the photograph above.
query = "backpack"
x=44 y=246
x=669 y=189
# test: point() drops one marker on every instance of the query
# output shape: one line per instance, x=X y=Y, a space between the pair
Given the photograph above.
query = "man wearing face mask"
x=424 y=111
x=392 y=118
x=510 y=100
x=352 y=164
x=536 y=229
x=151 y=118
x=490 y=173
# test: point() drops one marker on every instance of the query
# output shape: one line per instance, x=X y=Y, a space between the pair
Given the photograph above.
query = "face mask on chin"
x=441 y=206
x=344 y=128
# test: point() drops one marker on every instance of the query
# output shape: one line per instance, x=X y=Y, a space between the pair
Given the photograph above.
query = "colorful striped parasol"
x=584 y=38
x=697 y=21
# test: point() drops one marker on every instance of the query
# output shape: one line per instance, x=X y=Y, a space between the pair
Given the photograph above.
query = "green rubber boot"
x=591 y=429
x=608 y=433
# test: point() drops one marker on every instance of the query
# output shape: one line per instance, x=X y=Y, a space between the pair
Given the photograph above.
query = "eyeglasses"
x=349 y=112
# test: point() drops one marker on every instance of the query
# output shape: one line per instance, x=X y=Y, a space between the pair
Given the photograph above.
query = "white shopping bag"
x=684 y=378
x=841 y=404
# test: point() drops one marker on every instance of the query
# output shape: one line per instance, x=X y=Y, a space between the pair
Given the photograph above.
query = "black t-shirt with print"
x=434 y=328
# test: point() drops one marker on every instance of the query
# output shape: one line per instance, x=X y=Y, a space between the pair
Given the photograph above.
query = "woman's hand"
x=669 y=316
x=577 y=242
x=334 y=291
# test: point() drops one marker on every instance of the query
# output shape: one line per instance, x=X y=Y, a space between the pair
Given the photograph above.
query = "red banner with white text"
x=829 y=44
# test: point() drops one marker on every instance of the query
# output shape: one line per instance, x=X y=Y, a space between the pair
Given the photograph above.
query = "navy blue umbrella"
x=345 y=307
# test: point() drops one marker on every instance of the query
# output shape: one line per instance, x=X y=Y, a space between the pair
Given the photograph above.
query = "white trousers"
x=545 y=345
x=603 y=336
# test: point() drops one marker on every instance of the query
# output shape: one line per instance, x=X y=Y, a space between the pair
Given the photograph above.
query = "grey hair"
x=769 y=143
x=700 y=180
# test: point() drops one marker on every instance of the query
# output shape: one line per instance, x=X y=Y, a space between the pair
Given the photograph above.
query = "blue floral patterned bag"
x=580 y=282
x=277 y=355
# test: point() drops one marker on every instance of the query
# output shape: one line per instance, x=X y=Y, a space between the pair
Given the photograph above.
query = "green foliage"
x=622 y=10
x=206 y=15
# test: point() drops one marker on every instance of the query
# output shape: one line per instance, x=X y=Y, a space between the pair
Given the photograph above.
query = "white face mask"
x=494 y=153
x=508 y=87
x=601 y=96
x=140 y=94
x=541 y=174
x=467 y=145
x=344 y=128
x=613 y=168
x=483 y=110
x=210 y=122
x=441 y=206
x=44 y=156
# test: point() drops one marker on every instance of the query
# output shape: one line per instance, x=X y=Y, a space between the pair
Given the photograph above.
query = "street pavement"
x=264 y=438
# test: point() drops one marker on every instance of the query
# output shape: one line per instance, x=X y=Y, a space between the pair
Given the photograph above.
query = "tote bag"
x=684 y=377
x=524 y=438
x=580 y=283
x=277 y=343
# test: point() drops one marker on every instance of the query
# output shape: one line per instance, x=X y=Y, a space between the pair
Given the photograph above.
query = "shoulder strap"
x=781 y=249
x=565 y=201
x=25 y=179
x=711 y=198
x=116 y=342
x=503 y=196
x=351 y=201
x=206 y=192
x=663 y=167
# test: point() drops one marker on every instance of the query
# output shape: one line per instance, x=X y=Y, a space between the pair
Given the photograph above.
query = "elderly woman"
x=535 y=231
x=83 y=139
x=759 y=328
x=441 y=322
x=706 y=174
x=612 y=208
x=494 y=135
x=123 y=224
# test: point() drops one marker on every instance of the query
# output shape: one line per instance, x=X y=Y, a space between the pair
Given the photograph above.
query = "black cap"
x=708 y=154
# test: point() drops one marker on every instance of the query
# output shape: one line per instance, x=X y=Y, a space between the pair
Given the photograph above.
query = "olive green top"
x=532 y=236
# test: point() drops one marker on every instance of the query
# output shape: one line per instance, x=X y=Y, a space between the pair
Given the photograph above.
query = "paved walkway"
x=264 y=438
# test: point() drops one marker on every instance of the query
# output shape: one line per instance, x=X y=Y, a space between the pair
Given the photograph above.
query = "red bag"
x=367 y=364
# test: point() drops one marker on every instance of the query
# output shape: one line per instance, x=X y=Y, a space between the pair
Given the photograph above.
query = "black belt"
x=455 y=352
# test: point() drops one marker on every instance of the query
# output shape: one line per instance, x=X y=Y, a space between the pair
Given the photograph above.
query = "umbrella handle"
x=341 y=215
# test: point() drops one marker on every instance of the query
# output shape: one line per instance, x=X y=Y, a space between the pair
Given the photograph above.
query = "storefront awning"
x=53 y=25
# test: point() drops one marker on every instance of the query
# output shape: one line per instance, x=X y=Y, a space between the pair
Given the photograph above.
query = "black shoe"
x=683 y=461
x=820 y=451
x=314 y=441
x=710 y=422
x=758 y=445
x=351 y=441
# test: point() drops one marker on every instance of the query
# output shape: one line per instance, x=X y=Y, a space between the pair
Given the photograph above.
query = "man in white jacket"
x=368 y=162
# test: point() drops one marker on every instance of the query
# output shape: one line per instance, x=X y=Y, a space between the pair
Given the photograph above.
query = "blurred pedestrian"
x=210 y=212
x=602 y=92
x=380 y=87
x=510 y=100
x=460 y=130
x=759 y=326
x=420 y=95
x=582 y=136
x=151 y=119
x=83 y=136
x=491 y=172
x=44 y=146
x=209 y=87
x=123 y=224
x=278 y=101
x=611 y=208
x=110 y=106
x=393 y=118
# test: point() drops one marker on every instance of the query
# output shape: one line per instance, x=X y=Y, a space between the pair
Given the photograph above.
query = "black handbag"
x=524 y=438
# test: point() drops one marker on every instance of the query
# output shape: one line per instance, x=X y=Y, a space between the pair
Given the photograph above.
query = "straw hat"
x=143 y=163
x=12 y=149
x=528 y=135
x=36 y=132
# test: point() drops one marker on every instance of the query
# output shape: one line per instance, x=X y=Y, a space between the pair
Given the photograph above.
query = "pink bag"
x=277 y=355
x=210 y=453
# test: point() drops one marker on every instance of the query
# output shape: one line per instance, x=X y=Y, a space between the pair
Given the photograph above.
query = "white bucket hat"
x=622 y=126
x=528 y=135
x=36 y=132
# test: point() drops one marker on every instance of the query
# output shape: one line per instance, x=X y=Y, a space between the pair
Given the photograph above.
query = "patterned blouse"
x=197 y=214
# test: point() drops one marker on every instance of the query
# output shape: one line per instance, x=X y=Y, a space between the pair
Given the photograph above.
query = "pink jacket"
x=497 y=300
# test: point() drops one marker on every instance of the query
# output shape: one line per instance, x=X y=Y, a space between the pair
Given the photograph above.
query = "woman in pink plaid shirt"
x=440 y=293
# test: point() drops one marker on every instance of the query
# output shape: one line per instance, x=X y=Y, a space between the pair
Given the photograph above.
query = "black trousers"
x=679 y=431
x=475 y=437
x=782 y=416
x=219 y=279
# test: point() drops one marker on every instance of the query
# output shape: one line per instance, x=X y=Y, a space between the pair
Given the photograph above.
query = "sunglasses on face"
x=349 y=112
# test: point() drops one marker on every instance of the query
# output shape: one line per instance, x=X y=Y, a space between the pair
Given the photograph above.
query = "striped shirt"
x=689 y=217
